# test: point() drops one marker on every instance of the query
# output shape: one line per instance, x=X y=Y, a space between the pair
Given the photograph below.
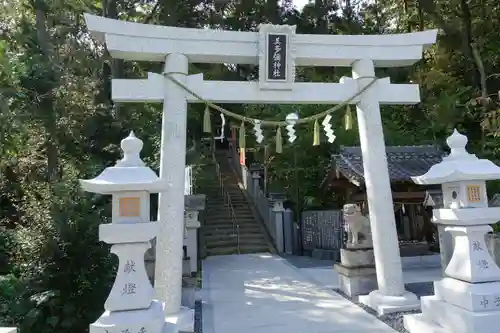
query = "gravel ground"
x=395 y=320
x=198 y=327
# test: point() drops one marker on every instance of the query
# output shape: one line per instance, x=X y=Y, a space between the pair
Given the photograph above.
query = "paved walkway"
x=262 y=293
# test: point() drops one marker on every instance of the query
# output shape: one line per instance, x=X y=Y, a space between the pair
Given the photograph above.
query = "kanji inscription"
x=277 y=53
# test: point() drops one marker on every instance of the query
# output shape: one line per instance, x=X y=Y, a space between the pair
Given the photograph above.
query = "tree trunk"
x=115 y=67
x=47 y=104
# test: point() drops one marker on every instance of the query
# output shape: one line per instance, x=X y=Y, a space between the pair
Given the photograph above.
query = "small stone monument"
x=357 y=274
x=467 y=299
x=130 y=306
x=193 y=204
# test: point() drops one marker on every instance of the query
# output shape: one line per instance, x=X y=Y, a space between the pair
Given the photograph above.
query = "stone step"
x=244 y=238
x=225 y=218
x=243 y=225
x=221 y=224
x=246 y=211
x=218 y=195
x=242 y=221
x=241 y=205
x=224 y=211
x=220 y=203
x=221 y=206
x=218 y=227
x=234 y=250
x=233 y=241
x=229 y=231
x=221 y=211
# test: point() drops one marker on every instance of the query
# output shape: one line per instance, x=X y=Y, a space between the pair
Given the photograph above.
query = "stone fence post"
x=255 y=170
x=288 y=231
x=277 y=223
x=193 y=205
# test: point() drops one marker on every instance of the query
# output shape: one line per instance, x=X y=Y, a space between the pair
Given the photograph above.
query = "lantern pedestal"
x=150 y=320
x=467 y=299
x=132 y=289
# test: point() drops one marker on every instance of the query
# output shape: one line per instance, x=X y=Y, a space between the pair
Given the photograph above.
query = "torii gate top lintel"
x=145 y=42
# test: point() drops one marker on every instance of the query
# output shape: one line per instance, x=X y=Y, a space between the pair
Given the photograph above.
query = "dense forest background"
x=58 y=124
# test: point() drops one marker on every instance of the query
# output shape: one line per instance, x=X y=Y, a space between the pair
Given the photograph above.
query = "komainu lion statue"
x=356 y=224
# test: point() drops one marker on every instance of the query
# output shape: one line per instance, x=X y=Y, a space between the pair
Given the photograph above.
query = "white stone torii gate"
x=179 y=46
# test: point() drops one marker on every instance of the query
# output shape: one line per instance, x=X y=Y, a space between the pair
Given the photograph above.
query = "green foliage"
x=6 y=243
x=65 y=272
x=58 y=124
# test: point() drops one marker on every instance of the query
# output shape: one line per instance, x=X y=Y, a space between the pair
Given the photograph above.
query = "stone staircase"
x=220 y=235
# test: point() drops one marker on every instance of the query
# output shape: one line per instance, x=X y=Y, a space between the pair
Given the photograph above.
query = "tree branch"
x=153 y=12
x=480 y=69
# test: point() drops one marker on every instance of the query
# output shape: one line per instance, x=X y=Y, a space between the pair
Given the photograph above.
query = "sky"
x=300 y=3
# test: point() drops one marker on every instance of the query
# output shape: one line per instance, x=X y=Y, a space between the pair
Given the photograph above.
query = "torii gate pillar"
x=391 y=294
x=168 y=266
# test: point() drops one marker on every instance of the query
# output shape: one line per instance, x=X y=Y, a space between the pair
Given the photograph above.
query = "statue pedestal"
x=357 y=274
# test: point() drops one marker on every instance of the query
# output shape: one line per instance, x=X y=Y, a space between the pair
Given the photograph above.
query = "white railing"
x=188 y=180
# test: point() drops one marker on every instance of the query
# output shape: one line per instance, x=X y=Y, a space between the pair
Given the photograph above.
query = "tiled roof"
x=404 y=161
x=495 y=200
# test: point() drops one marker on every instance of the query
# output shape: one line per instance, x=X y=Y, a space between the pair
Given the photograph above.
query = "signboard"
x=322 y=230
x=276 y=57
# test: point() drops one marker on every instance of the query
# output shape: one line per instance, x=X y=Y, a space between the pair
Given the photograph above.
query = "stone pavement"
x=322 y=272
x=264 y=293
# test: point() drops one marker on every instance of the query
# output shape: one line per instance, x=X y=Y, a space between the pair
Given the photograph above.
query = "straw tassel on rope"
x=316 y=133
x=242 y=135
x=348 y=118
x=207 y=123
x=279 y=144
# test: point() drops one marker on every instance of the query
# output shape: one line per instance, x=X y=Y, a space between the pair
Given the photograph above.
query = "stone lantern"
x=130 y=306
x=467 y=299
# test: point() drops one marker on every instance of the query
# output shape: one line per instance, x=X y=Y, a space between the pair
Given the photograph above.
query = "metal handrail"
x=229 y=203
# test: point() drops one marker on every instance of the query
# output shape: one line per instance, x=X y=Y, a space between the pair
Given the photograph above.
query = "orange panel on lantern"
x=130 y=206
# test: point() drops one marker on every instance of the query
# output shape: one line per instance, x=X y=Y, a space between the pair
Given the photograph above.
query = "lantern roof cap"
x=459 y=165
x=129 y=174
